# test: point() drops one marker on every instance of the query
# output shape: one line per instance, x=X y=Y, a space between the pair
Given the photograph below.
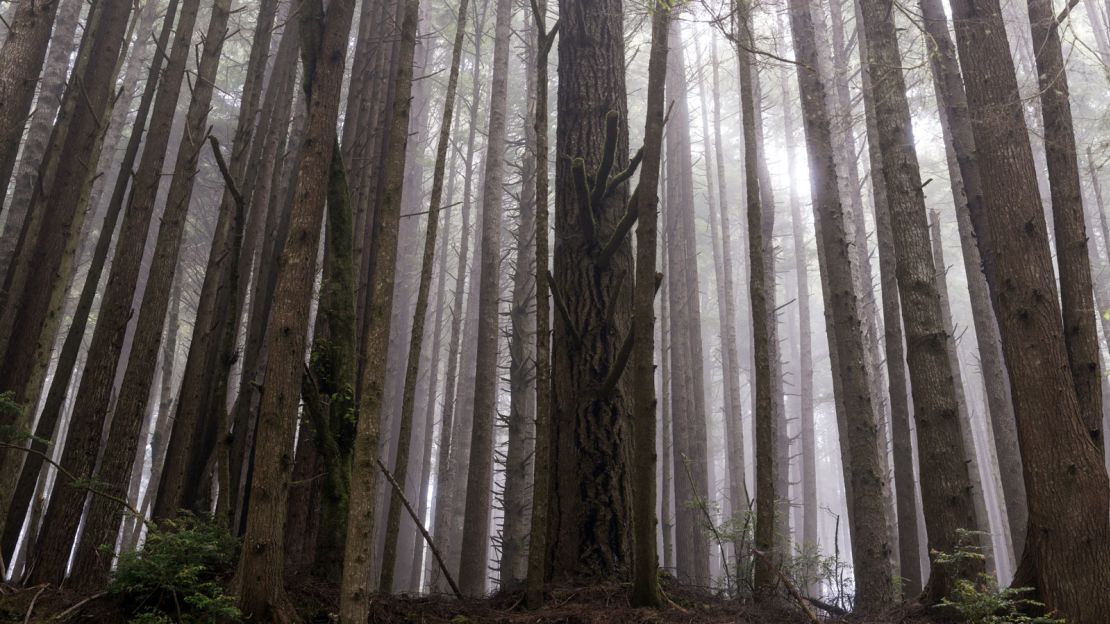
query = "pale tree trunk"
x=687 y=390
x=956 y=121
x=1067 y=550
x=967 y=430
x=416 y=344
x=355 y=599
x=734 y=407
x=522 y=394
x=870 y=540
x=808 y=533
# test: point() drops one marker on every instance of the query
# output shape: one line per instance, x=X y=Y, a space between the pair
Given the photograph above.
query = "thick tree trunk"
x=588 y=531
x=355 y=599
x=1067 y=552
x=870 y=540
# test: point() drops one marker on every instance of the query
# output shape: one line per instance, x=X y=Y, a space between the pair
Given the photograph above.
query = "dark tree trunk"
x=1067 y=551
x=588 y=531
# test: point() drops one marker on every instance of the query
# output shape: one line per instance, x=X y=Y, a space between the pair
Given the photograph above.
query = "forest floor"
x=603 y=604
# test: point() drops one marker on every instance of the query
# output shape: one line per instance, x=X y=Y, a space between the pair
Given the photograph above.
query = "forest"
x=584 y=311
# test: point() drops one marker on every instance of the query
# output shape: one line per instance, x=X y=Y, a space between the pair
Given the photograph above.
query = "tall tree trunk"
x=1067 y=550
x=956 y=121
x=687 y=391
x=355 y=600
x=1076 y=294
x=734 y=407
x=808 y=535
x=39 y=279
x=522 y=397
x=259 y=576
x=588 y=532
x=475 y=538
x=761 y=288
x=51 y=87
x=645 y=560
x=545 y=433
x=946 y=490
x=870 y=540
x=21 y=60
x=412 y=370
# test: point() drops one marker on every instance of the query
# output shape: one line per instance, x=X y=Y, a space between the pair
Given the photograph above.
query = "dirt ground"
x=602 y=604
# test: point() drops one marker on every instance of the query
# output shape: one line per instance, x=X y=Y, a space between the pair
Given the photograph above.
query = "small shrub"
x=982 y=601
x=179 y=575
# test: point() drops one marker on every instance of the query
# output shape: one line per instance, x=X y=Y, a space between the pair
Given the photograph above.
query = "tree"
x=946 y=488
x=260 y=573
x=870 y=544
x=355 y=600
x=1068 y=543
x=588 y=517
x=645 y=561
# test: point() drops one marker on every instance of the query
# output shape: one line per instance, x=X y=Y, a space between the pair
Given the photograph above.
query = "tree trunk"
x=1067 y=551
x=259 y=577
x=946 y=490
x=687 y=390
x=475 y=539
x=522 y=396
x=1076 y=294
x=588 y=531
x=21 y=60
x=870 y=540
x=355 y=600
x=51 y=87
x=956 y=121
x=645 y=560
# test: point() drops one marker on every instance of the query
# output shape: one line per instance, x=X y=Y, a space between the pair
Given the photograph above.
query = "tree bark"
x=259 y=576
x=1067 y=549
x=956 y=121
x=1074 y=268
x=588 y=532
x=870 y=540
x=355 y=599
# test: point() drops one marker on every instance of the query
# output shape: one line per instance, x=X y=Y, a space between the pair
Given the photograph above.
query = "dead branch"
x=810 y=615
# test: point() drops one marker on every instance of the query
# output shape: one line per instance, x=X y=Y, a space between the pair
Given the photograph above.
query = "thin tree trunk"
x=355 y=600
x=870 y=540
x=956 y=120
x=1074 y=268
